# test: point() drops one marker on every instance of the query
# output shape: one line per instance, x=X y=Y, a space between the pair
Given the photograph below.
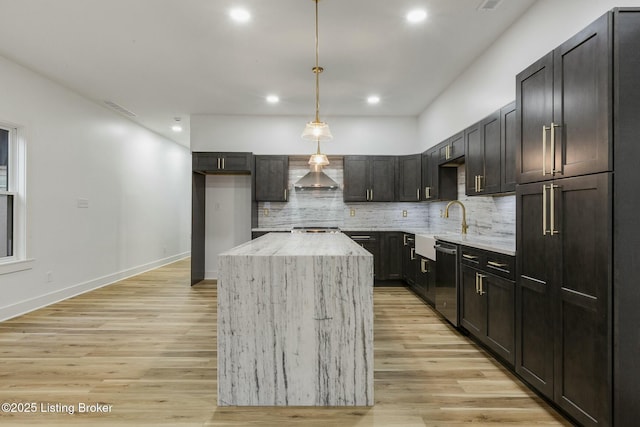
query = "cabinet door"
x=428 y=270
x=452 y=149
x=382 y=178
x=489 y=181
x=474 y=160
x=271 y=178
x=534 y=292
x=534 y=106
x=472 y=305
x=583 y=279
x=409 y=259
x=409 y=178
x=508 y=143
x=235 y=162
x=370 y=242
x=356 y=179
x=500 y=321
x=391 y=256
x=427 y=188
x=582 y=101
x=206 y=162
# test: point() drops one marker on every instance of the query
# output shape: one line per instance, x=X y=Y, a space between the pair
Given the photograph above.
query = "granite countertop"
x=299 y=244
x=503 y=245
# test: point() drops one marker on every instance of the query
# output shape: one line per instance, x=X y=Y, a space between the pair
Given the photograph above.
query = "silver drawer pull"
x=497 y=264
x=471 y=257
x=360 y=237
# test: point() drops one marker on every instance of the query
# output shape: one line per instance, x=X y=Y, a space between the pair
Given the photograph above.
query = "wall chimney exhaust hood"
x=316 y=179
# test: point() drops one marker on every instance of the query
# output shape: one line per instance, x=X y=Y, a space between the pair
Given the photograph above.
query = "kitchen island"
x=295 y=322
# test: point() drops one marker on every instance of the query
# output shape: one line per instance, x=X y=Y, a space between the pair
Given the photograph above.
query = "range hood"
x=316 y=180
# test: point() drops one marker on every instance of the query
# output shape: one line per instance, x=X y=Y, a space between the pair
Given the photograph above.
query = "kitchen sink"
x=425 y=246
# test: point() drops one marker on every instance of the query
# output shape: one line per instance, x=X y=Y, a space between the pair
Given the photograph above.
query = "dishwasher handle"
x=449 y=251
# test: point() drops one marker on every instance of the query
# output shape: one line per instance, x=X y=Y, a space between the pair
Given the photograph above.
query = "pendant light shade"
x=317 y=131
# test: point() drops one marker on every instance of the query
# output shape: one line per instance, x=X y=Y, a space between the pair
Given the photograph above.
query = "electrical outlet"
x=265 y=212
x=404 y=214
x=49 y=277
x=441 y=213
x=352 y=212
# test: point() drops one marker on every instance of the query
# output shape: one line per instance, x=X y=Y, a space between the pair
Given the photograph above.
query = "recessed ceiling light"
x=177 y=127
x=373 y=99
x=240 y=15
x=417 y=15
x=273 y=99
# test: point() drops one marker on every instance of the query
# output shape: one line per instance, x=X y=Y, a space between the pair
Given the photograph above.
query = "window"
x=6 y=196
x=12 y=200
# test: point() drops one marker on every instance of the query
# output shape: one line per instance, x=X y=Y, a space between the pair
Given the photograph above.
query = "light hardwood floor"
x=147 y=347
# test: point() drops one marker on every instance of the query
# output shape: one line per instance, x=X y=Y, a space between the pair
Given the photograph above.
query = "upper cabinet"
x=508 y=145
x=369 y=178
x=438 y=182
x=271 y=178
x=490 y=147
x=451 y=149
x=409 y=178
x=564 y=108
x=208 y=162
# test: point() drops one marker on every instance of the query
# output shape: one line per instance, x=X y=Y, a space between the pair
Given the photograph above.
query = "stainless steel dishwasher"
x=447 y=281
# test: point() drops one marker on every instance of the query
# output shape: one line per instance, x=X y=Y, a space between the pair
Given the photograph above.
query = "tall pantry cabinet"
x=577 y=322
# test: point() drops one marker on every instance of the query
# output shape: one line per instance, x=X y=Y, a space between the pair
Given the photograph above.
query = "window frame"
x=16 y=178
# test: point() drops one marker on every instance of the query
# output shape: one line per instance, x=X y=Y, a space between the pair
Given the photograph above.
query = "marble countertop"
x=299 y=244
x=501 y=245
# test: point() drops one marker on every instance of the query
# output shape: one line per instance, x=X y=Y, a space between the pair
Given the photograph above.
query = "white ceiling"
x=173 y=58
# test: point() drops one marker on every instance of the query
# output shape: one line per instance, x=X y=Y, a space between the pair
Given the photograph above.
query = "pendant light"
x=317 y=130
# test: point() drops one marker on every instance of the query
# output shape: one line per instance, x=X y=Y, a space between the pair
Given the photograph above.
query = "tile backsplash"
x=485 y=215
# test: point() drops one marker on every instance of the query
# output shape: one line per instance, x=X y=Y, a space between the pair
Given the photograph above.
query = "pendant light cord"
x=317 y=70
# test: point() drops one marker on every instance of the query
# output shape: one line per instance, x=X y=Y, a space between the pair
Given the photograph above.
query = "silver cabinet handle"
x=418 y=193
x=372 y=194
x=480 y=177
x=544 y=210
x=477 y=284
x=361 y=237
x=553 y=150
x=367 y=196
x=427 y=192
x=480 y=277
x=496 y=264
x=219 y=163
x=423 y=265
x=285 y=194
x=404 y=239
x=413 y=254
x=544 y=149
x=552 y=196
x=471 y=257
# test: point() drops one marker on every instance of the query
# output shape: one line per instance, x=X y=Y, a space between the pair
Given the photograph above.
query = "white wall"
x=489 y=82
x=228 y=217
x=281 y=134
x=137 y=184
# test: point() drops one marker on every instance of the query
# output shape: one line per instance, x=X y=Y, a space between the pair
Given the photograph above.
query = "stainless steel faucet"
x=464 y=214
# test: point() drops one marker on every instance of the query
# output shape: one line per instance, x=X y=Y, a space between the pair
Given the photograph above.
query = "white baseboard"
x=32 y=304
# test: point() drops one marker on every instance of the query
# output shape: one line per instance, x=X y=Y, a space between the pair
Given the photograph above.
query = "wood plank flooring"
x=147 y=347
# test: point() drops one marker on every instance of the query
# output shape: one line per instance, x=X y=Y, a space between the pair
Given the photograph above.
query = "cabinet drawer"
x=500 y=265
x=471 y=256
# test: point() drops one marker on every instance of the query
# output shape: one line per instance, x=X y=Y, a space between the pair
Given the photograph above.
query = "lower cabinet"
x=426 y=279
x=391 y=245
x=487 y=300
x=409 y=260
x=369 y=241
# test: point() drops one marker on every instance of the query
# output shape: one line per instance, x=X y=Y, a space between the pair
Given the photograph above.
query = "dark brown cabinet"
x=369 y=178
x=563 y=292
x=508 y=146
x=409 y=260
x=490 y=147
x=369 y=241
x=487 y=300
x=451 y=149
x=564 y=108
x=213 y=162
x=391 y=245
x=438 y=182
x=409 y=178
x=271 y=178
x=425 y=279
